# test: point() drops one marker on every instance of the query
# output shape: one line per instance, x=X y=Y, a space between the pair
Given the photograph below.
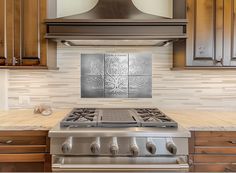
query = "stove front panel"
x=81 y=146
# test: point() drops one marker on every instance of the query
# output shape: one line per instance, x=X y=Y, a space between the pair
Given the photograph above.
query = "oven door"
x=120 y=164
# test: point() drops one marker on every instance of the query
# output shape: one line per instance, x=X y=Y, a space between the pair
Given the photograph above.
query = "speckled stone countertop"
x=189 y=119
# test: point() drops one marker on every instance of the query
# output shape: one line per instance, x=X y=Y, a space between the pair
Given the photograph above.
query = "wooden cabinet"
x=211 y=33
x=24 y=151
x=22 y=32
x=213 y=152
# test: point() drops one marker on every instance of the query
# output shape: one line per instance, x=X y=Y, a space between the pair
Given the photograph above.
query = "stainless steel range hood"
x=115 y=22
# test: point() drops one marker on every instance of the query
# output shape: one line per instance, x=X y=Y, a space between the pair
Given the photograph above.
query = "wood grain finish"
x=17 y=29
x=10 y=30
x=201 y=32
x=204 y=29
x=43 y=30
x=202 y=167
x=30 y=28
x=213 y=151
x=230 y=33
x=2 y=28
x=18 y=149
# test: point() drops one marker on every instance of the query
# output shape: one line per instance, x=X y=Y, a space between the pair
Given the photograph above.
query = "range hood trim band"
x=121 y=21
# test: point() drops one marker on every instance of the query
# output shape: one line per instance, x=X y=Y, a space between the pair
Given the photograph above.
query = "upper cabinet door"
x=30 y=28
x=2 y=28
x=205 y=32
x=230 y=32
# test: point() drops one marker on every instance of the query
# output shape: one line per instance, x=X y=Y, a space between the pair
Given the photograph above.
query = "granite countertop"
x=190 y=119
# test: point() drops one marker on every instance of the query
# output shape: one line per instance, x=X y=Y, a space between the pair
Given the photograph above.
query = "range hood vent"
x=115 y=20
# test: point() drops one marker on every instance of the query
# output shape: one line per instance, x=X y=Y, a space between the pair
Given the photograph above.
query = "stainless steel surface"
x=120 y=164
x=58 y=131
x=90 y=117
x=81 y=146
x=84 y=147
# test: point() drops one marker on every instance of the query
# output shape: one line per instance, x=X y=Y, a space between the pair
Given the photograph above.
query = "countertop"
x=190 y=119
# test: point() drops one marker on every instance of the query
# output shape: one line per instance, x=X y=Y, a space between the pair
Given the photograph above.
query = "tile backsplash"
x=116 y=75
x=191 y=89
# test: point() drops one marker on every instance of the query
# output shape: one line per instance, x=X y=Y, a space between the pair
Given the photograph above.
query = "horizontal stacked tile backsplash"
x=192 y=89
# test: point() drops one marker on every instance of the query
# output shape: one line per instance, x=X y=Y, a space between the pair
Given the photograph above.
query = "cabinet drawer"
x=214 y=150
x=213 y=158
x=227 y=139
x=214 y=167
x=15 y=149
x=8 y=158
x=23 y=137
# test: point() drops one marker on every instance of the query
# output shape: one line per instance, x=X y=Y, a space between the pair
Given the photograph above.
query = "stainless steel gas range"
x=119 y=140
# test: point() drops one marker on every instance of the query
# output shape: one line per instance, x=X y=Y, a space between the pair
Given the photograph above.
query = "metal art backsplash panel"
x=116 y=75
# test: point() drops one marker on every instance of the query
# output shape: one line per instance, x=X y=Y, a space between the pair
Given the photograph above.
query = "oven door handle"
x=178 y=166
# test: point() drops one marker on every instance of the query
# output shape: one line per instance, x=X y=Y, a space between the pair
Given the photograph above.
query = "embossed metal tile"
x=140 y=86
x=116 y=86
x=92 y=86
x=116 y=75
x=92 y=64
x=140 y=64
x=116 y=64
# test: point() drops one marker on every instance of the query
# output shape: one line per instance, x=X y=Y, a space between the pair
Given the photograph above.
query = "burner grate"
x=155 y=118
x=87 y=117
x=80 y=117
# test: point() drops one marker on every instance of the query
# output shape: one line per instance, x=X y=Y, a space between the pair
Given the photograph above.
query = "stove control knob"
x=114 y=149
x=95 y=146
x=134 y=147
x=171 y=147
x=67 y=145
x=151 y=147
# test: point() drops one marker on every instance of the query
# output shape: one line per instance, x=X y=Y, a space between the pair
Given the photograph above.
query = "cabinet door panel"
x=17 y=29
x=2 y=29
x=30 y=28
x=10 y=30
x=219 y=23
x=200 y=31
x=204 y=29
x=230 y=33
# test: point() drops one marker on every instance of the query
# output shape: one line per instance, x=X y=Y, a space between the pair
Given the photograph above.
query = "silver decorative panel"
x=116 y=64
x=116 y=75
x=92 y=64
x=92 y=86
x=140 y=86
x=116 y=86
x=140 y=64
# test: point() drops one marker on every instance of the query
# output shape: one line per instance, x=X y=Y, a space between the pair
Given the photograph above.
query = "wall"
x=156 y=7
x=171 y=89
x=3 y=89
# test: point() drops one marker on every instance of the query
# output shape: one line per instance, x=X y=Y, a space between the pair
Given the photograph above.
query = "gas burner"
x=155 y=118
x=87 y=117
x=80 y=117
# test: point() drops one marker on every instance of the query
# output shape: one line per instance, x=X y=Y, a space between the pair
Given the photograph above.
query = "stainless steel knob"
x=114 y=149
x=67 y=145
x=134 y=147
x=151 y=147
x=95 y=146
x=171 y=147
